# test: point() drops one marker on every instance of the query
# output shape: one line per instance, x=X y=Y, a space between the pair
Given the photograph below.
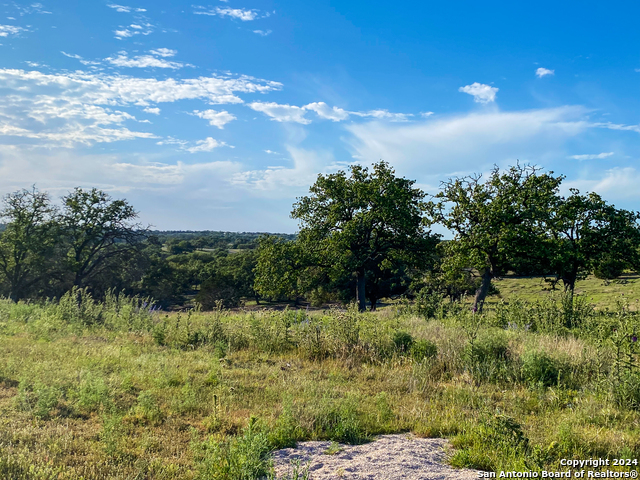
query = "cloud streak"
x=592 y=156
x=245 y=15
x=142 y=61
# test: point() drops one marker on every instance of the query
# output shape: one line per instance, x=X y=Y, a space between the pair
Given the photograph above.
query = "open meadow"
x=116 y=390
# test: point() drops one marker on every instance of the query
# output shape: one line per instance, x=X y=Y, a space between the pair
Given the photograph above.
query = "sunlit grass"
x=208 y=395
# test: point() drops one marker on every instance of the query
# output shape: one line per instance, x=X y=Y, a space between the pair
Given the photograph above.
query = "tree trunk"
x=481 y=293
x=360 y=292
x=569 y=280
x=374 y=302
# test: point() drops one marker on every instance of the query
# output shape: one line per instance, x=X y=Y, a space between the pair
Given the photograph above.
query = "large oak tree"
x=367 y=224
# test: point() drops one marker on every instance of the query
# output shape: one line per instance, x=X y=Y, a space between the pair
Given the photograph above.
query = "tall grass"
x=116 y=389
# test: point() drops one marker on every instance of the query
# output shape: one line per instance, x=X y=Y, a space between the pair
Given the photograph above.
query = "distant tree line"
x=364 y=235
x=92 y=241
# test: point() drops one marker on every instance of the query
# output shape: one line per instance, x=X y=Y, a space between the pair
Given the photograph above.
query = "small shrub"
x=403 y=342
x=423 y=350
x=497 y=443
x=147 y=409
x=428 y=303
x=626 y=392
x=340 y=421
x=245 y=457
x=111 y=435
x=488 y=357
x=92 y=394
x=38 y=399
x=609 y=268
x=538 y=368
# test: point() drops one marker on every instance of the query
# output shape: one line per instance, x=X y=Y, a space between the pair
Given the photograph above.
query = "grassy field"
x=115 y=390
x=601 y=293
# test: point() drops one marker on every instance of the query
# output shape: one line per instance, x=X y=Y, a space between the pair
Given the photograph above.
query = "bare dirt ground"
x=389 y=457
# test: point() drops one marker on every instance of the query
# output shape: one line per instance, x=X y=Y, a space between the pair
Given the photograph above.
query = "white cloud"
x=125 y=9
x=292 y=113
x=426 y=114
x=541 y=72
x=384 y=114
x=619 y=183
x=164 y=52
x=468 y=142
x=481 y=93
x=216 y=119
x=262 y=33
x=238 y=13
x=322 y=109
x=617 y=126
x=71 y=108
x=281 y=181
x=142 y=61
x=592 y=156
x=32 y=8
x=206 y=145
x=154 y=111
x=133 y=29
x=80 y=59
x=271 y=152
x=6 y=30
x=281 y=113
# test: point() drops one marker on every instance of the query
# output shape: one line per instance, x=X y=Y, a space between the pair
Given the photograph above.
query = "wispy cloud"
x=36 y=8
x=281 y=113
x=324 y=111
x=543 y=72
x=6 y=30
x=142 y=61
x=618 y=183
x=384 y=115
x=152 y=110
x=481 y=93
x=618 y=126
x=471 y=141
x=80 y=59
x=243 y=14
x=134 y=29
x=262 y=33
x=286 y=181
x=216 y=119
x=292 y=113
x=164 y=52
x=66 y=109
x=126 y=9
x=592 y=156
x=207 y=145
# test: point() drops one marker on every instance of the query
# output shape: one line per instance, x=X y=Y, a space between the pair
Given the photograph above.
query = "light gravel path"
x=389 y=457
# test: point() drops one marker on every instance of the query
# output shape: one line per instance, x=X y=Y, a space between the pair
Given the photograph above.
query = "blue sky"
x=218 y=115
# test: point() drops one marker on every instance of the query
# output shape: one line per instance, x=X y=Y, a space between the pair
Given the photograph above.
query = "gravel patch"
x=389 y=457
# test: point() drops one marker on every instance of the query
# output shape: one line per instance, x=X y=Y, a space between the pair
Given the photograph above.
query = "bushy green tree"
x=279 y=269
x=364 y=224
x=495 y=222
x=586 y=232
x=97 y=230
x=28 y=242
